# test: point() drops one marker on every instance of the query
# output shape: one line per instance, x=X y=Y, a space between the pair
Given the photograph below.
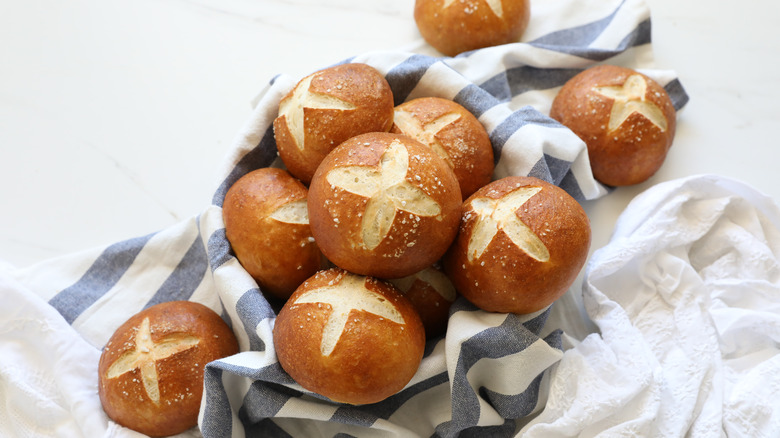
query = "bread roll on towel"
x=350 y=338
x=150 y=374
x=522 y=243
x=267 y=224
x=626 y=119
x=325 y=109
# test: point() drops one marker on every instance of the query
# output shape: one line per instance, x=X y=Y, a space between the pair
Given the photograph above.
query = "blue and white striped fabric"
x=489 y=373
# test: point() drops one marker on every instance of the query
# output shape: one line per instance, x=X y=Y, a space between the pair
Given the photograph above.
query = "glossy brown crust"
x=357 y=84
x=465 y=142
x=414 y=241
x=279 y=254
x=374 y=357
x=470 y=24
x=180 y=375
x=637 y=149
x=505 y=278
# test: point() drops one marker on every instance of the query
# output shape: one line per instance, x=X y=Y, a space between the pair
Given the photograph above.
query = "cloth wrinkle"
x=695 y=305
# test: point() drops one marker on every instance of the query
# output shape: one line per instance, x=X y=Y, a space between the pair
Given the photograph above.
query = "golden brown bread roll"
x=384 y=205
x=453 y=133
x=431 y=293
x=325 y=109
x=267 y=224
x=522 y=242
x=350 y=338
x=150 y=375
x=627 y=120
x=456 y=26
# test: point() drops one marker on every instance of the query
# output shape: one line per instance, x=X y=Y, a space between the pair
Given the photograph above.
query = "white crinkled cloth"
x=687 y=299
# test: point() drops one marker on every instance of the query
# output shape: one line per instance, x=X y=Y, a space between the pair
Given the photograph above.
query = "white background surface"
x=115 y=115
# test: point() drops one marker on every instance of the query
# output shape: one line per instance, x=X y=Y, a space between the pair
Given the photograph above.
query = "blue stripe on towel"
x=185 y=278
x=104 y=273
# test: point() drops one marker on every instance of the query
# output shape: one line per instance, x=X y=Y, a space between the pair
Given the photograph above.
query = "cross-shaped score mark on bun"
x=146 y=354
x=387 y=190
x=347 y=295
x=496 y=215
x=630 y=99
x=293 y=107
x=426 y=134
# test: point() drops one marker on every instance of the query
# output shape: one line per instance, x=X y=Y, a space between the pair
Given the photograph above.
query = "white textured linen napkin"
x=687 y=299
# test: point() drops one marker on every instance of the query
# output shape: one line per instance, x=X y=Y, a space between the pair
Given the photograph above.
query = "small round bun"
x=150 y=374
x=522 y=243
x=384 y=205
x=350 y=338
x=431 y=293
x=267 y=224
x=325 y=109
x=456 y=26
x=453 y=133
x=627 y=120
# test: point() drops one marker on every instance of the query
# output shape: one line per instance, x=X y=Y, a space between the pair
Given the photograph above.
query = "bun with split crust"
x=150 y=374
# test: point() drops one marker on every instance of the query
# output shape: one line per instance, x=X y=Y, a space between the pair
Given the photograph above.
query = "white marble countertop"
x=115 y=116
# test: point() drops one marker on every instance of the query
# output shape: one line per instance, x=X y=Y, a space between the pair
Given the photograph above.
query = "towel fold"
x=686 y=296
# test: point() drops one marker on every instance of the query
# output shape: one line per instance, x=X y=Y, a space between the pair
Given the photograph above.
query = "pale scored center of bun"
x=292 y=107
x=495 y=6
x=295 y=212
x=629 y=99
x=437 y=279
x=500 y=214
x=146 y=354
x=347 y=293
x=411 y=126
x=387 y=190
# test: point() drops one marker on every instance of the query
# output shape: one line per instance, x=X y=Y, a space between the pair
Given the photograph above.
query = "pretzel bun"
x=521 y=244
x=456 y=26
x=431 y=293
x=627 y=120
x=350 y=338
x=150 y=374
x=326 y=108
x=453 y=133
x=267 y=225
x=384 y=205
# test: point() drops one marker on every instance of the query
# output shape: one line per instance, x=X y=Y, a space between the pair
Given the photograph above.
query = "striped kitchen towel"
x=489 y=373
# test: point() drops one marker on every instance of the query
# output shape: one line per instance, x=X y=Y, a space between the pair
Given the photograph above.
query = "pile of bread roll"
x=379 y=217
